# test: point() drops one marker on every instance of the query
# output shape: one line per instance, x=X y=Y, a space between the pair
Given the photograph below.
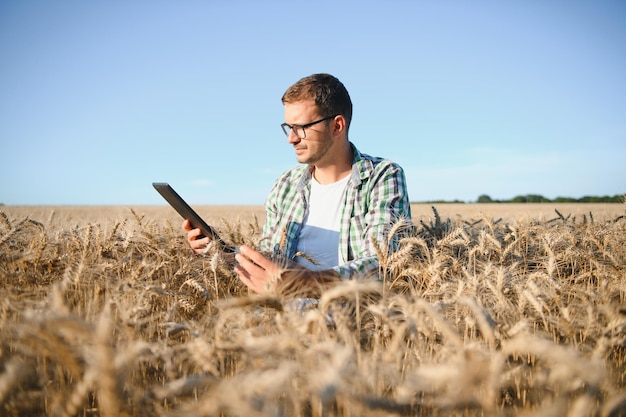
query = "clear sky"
x=505 y=98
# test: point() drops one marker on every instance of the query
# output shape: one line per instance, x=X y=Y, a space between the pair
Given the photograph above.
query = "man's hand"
x=198 y=245
x=256 y=271
x=265 y=276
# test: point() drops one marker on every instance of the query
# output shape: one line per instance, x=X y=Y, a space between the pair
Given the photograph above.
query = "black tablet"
x=172 y=197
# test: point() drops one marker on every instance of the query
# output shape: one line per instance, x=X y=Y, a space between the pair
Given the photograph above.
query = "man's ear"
x=338 y=125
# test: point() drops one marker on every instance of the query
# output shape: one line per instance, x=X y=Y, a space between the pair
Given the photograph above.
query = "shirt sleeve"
x=272 y=206
x=283 y=209
x=381 y=206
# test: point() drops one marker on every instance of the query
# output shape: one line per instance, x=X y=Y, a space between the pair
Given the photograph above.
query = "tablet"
x=172 y=197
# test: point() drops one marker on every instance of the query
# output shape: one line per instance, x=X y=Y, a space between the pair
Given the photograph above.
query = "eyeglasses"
x=299 y=130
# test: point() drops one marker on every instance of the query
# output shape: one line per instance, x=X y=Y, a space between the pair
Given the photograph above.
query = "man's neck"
x=337 y=169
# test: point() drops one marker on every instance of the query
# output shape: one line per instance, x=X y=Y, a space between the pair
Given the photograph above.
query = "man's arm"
x=381 y=207
x=264 y=276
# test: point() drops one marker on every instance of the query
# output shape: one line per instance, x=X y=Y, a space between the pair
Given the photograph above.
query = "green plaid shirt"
x=375 y=199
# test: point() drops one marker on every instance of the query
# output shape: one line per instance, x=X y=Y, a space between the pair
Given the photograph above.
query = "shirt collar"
x=361 y=169
x=362 y=166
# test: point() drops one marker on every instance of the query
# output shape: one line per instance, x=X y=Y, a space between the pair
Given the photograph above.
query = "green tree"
x=530 y=198
x=536 y=198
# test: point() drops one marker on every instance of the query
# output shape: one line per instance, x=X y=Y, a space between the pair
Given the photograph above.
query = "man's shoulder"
x=370 y=160
x=290 y=180
x=368 y=164
x=293 y=174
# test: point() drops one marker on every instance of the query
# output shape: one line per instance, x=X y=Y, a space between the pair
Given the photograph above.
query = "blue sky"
x=100 y=99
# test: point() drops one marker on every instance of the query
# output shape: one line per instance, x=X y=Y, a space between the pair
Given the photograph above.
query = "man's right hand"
x=198 y=245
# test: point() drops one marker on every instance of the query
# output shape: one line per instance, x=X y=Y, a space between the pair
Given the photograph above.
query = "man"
x=325 y=214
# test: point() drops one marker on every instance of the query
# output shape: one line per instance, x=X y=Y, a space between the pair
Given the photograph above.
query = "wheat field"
x=485 y=310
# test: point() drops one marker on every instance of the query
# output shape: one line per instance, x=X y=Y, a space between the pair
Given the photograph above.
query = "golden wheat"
x=473 y=317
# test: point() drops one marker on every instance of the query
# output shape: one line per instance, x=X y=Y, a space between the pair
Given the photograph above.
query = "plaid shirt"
x=376 y=198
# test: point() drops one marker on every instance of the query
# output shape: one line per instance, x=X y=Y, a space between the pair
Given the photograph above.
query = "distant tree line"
x=536 y=198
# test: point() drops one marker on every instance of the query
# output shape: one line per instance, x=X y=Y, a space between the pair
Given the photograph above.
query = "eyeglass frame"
x=292 y=128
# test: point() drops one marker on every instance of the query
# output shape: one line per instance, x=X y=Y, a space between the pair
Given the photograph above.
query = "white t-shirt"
x=319 y=237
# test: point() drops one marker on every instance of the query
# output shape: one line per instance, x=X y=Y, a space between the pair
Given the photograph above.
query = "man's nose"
x=292 y=137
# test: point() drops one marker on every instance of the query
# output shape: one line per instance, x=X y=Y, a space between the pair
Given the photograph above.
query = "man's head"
x=328 y=93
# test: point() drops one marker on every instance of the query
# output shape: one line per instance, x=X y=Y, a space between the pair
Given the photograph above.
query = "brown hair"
x=329 y=94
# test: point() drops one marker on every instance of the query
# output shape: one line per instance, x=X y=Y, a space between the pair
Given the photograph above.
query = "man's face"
x=315 y=148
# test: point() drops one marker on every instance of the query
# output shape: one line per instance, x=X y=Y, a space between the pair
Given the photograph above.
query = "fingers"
x=193 y=234
x=259 y=260
x=256 y=284
x=251 y=261
x=255 y=270
x=244 y=276
x=251 y=285
x=198 y=245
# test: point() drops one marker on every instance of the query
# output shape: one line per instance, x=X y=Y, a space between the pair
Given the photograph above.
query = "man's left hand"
x=256 y=271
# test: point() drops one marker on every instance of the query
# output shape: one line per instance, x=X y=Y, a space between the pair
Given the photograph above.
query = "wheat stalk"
x=478 y=318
